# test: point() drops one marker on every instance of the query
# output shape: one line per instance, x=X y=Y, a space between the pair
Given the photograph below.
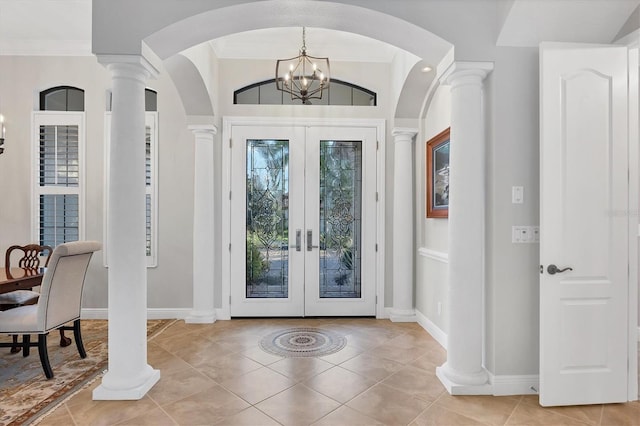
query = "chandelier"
x=303 y=77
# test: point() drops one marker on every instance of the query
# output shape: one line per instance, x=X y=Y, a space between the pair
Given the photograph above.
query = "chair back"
x=27 y=257
x=61 y=292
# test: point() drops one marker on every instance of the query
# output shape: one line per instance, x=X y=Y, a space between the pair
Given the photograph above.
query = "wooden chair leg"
x=78 y=336
x=44 y=355
x=64 y=341
x=26 y=347
x=16 y=346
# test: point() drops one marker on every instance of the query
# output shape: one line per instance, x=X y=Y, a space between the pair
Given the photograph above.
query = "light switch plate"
x=517 y=194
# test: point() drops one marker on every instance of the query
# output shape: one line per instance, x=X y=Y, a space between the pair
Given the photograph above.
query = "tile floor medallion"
x=303 y=342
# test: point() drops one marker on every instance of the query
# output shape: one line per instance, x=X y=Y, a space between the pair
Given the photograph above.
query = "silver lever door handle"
x=298 y=245
x=553 y=269
x=310 y=245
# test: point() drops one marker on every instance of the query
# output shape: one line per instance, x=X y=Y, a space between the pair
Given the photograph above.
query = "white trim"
x=515 y=385
x=152 y=313
x=439 y=256
x=435 y=331
x=225 y=239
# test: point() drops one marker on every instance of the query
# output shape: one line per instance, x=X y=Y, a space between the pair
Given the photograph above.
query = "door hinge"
x=229 y=299
x=230 y=142
x=377 y=145
x=376 y=299
x=229 y=246
x=376 y=247
x=229 y=194
x=376 y=196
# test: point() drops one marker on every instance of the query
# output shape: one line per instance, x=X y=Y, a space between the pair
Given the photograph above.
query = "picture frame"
x=437 y=161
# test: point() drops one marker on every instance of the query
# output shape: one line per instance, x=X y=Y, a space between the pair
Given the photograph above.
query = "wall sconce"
x=2 y=131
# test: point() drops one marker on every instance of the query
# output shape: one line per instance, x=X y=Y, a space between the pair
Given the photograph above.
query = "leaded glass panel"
x=267 y=242
x=340 y=219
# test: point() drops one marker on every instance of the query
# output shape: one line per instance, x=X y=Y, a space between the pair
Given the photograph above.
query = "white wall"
x=169 y=285
x=432 y=276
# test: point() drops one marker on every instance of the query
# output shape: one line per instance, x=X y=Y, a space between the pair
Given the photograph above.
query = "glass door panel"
x=267 y=242
x=267 y=207
x=340 y=215
x=340 y=219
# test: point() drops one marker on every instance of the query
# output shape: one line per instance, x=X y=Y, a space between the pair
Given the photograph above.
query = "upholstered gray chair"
x=59 y=303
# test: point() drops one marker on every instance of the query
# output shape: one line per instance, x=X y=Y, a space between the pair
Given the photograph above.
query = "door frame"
x=225 y=238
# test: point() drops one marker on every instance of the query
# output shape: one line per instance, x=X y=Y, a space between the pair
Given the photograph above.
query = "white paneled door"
x=584 y=224
x=303 y=221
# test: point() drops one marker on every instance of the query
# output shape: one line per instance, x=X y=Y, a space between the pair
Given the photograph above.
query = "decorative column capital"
x=203 y=129
x=136 y=66
x=403 y=134
x=464 y=73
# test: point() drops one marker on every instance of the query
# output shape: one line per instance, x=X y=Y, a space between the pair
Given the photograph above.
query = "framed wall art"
x=438 y=175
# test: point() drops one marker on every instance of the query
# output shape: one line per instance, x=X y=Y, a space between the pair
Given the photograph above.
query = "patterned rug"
x=26 y=394
x=303 y=342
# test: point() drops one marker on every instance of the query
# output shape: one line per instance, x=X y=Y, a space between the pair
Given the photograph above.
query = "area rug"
x=303 y=342
x=25 y=393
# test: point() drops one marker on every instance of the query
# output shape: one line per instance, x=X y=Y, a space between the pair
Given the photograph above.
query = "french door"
x=303 y=221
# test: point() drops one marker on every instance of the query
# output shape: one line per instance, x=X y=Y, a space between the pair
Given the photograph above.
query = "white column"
x=403 y=310
x=463 y=373
x=128 y=376
x=203 y=226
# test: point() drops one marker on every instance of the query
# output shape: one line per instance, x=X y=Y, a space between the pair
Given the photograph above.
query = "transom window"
x=338 y=93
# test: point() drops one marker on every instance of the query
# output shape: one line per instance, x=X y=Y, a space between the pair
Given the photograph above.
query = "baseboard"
x=152 y=313
x=514 y=385
x=435 y=331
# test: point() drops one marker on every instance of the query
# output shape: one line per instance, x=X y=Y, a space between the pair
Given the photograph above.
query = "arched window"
x=59 y=139
x=339 y=93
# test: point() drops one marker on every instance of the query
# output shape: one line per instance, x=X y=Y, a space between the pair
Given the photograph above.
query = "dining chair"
x=29 y=259
x=59 y=302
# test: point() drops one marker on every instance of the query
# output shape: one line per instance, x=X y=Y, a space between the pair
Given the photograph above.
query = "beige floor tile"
x=207 y=407
x=58 y=417
x=529 y=414
x=426 y=363
x=397 y=354
x=371 y=367
x=343 y=355
x=110 y=412
x=414 y=339
x=621 y=414
x=344 y=416
x=298 y=405
x=155 y=417
x=300 y=369
x=590 y=414
x=178 y=385
x=159 y=358
x=387 y=405
x=258 y=385
x=249 y=417
x=228 y=367
x=366 y=340
x=339 y=384
x=261 y=356
x=197 y=351
x=492 y=410
x=440 y=416
x=417 y=382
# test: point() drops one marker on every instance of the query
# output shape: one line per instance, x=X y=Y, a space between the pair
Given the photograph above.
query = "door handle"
x=310 y=245
x=298 y=245
x=553 y=269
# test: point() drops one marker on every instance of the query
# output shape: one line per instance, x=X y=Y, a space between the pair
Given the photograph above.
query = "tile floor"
x=217 y=374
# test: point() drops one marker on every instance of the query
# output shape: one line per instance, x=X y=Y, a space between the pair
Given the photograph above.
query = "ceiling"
x=63 y=27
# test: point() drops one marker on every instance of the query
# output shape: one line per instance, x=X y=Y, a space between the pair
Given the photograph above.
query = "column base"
x=403 y=315
x=201 y=317
x=135 y=392
x=464 y=384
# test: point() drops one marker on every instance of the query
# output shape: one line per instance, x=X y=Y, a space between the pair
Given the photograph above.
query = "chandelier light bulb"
x=315 y=66
x=304 y=81
x=321 y=76
x=290 y=67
